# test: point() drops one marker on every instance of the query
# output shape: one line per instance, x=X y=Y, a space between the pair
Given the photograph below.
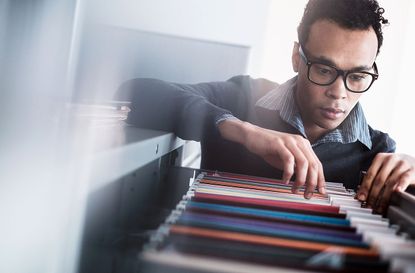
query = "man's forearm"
x=235 y=130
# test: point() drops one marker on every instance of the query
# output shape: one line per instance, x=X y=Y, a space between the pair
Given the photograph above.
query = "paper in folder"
x=237 y=223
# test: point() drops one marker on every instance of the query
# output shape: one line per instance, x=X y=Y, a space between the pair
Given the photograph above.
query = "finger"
x=288 y=161
x=384 y=198
x=397 y=172
x=301 y=165
x=314 y=167
x=405 y=179
x=311 y=183
x=369 y=177
x=321 y=181
x=276 y=162
x=391 y=185
x=380 y=180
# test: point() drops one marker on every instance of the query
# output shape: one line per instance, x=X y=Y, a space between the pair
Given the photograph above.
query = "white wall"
x=239 y=22
x=399 y=64
x=389 y=105
x=281 y=32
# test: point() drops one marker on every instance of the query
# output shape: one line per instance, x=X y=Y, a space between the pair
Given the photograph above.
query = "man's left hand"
x=389 y=172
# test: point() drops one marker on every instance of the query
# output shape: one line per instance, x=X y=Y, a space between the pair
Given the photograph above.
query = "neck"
x=314 y=132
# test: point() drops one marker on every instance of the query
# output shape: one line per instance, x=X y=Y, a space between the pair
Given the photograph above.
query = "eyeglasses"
x=324 y=74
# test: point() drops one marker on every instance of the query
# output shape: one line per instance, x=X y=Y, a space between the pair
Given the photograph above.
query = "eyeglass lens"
x=325 y=75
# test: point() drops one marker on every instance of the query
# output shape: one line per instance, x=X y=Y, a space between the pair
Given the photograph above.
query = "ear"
x=295 y=57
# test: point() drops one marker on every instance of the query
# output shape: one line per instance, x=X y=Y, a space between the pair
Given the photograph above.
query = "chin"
x=328 y=125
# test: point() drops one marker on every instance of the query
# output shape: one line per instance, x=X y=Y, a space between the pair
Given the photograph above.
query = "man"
x=310 y=129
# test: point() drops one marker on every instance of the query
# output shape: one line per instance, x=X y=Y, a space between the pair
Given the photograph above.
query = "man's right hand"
x=290 y=153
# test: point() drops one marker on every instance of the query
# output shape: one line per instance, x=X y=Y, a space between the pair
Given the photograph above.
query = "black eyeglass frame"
x=343 y=73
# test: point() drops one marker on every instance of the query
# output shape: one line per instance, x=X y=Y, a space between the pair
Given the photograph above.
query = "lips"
x=332 y=113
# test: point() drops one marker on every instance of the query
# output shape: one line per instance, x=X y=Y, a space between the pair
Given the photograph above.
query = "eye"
x=324 y=70
x=357 y=77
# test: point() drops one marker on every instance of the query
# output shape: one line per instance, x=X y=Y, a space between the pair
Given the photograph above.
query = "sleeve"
x=189 y=110
x=223 y=118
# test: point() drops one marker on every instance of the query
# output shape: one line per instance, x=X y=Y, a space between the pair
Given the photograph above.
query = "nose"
x=337 y=90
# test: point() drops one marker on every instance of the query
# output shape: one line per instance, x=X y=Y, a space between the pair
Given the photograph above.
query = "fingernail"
x=322 y=190
x=399 y=188
x=361 y=197
x=308 y=195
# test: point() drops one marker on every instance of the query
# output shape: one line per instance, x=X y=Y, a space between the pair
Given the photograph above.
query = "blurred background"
x=57 y=52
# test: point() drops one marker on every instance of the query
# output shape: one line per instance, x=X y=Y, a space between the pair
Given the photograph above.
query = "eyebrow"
x=324 y=60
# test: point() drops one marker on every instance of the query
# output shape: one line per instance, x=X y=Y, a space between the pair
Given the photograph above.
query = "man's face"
x=323 y=108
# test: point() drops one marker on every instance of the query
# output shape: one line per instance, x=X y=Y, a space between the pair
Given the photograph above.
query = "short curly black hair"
x=350 y=14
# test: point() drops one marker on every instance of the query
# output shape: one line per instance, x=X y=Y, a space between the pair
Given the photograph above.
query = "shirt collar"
x=353 y=128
